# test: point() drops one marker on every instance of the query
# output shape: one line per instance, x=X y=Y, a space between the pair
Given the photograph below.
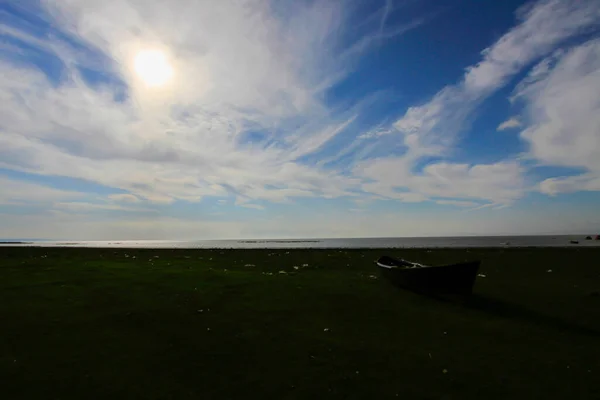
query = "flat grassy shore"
x=226 y=324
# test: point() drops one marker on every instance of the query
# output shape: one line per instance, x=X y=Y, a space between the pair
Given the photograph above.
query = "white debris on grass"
x=481 y=275
x=249 y=265
x=295 y=267
x=305 y=265
x=283 y=272
x=445 y=371
x=326 y=330
x=549 y=270
x=372 y=277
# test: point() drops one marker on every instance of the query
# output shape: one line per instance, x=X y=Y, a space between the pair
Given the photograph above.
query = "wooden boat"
x=445 y=279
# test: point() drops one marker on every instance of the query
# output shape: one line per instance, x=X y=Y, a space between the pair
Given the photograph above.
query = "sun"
x=153 y=67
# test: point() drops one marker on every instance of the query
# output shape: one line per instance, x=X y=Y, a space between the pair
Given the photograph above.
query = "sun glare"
x=152 y=66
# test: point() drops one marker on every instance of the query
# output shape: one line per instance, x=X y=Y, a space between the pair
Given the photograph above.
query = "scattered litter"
x=430 y=355
x=224 y=269
x=287 y=252
x=200 y=310
x=156 y=257
x=357 y=372
x=208 y=329
x=305 y=265
x=549 y=270
x=132 y=256
x=283 y=272
x=210 y=259
x=295 y=267
x=372 y=277
x=269 y=273
x=481 y=275
x=445 y=333
x=195 y=288
x=445 y=371
x=127 y=255
x=326 y=330
x=249 y=265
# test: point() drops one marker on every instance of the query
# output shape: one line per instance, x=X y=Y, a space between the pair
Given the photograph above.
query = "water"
x=416 y=242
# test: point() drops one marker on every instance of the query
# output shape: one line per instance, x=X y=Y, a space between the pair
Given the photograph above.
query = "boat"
x=452 y=279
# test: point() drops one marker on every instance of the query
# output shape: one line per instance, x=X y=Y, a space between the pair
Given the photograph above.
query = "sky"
x=202 y=119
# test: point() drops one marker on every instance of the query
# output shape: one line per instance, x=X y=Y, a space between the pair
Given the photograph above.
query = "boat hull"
x=452 y=279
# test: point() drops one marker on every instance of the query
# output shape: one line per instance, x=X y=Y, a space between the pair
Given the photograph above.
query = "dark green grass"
x=193 y=324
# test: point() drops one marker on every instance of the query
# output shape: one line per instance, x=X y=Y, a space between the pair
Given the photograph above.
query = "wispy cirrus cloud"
x=510 y=123
x=562 y=107
x=241 y=68
x=433 y=129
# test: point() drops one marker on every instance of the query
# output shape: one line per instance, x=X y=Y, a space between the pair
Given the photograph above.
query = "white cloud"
x=77 y=206
x=510 y=123
x=124 y=197
x=585 y=182
x=20 y=192
x=254 y=206
x=563 y=109
x=239 y=67
x=458 y=203
x=500 y=183
x=431 y=129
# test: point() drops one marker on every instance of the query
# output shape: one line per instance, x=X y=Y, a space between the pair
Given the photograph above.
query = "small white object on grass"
x=305 y=265
x=283 y=272
x=481 y=275
x=249 y=265
x=549 y=270
x=326 y=330
x=445 y=371
x=295 y=267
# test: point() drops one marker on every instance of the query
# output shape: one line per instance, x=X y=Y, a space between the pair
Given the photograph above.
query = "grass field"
x=226 y=324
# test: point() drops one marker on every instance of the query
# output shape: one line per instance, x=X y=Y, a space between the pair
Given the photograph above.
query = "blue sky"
x=191 y=119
